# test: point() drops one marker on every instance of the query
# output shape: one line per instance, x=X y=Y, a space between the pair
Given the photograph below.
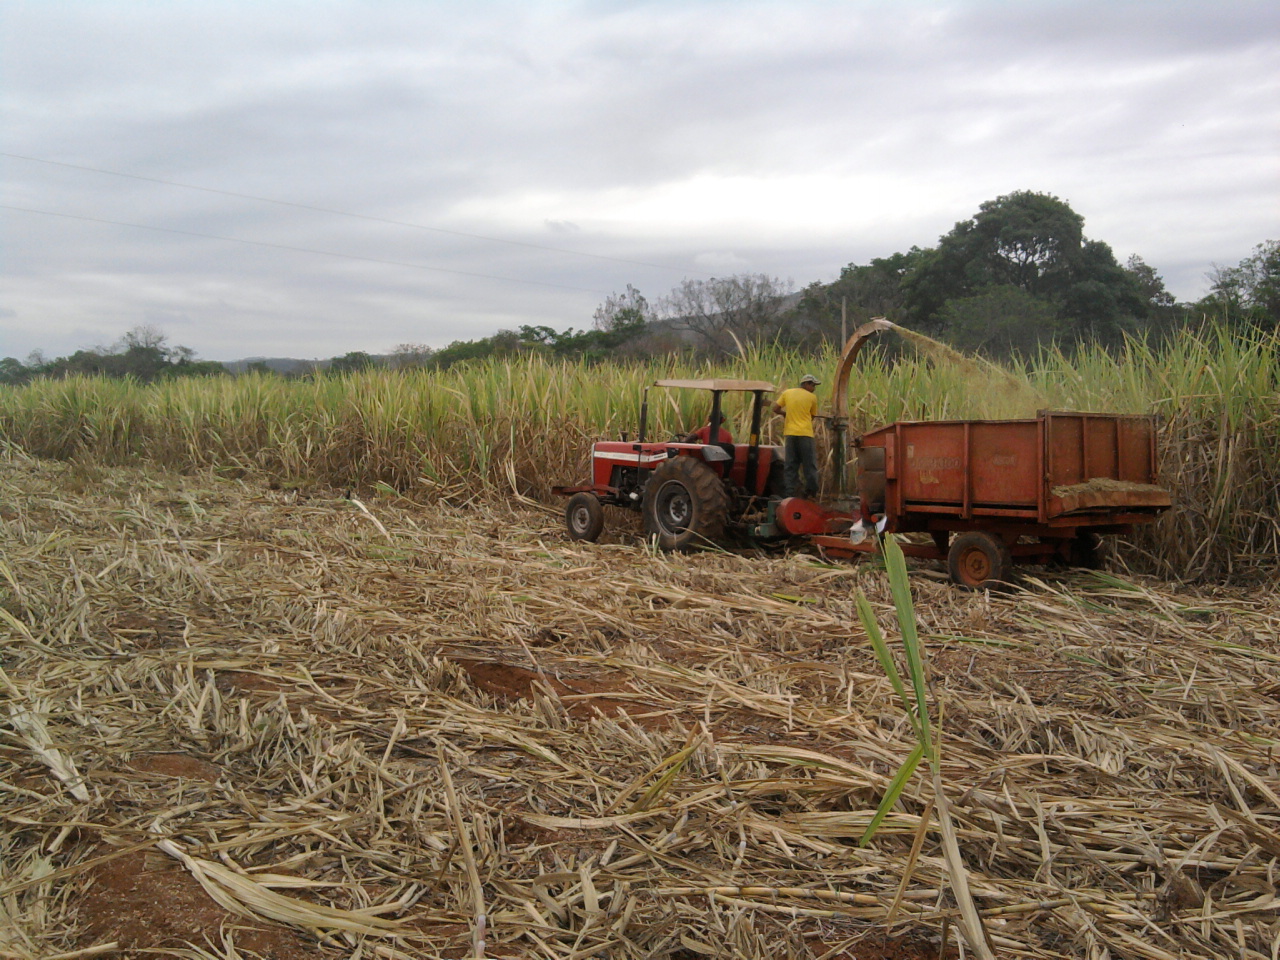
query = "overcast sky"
x=538 y=156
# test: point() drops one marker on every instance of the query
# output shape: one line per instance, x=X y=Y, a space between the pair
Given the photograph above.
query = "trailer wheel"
x=684 y=504
x=978 y=560
x=584 y=516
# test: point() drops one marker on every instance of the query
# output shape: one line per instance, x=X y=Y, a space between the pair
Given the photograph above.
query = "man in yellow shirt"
x=800 y=406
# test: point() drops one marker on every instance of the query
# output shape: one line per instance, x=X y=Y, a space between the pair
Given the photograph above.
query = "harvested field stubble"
x=240 y=698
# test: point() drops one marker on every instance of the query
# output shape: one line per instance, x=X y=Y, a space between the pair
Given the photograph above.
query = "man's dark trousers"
x=802 y=452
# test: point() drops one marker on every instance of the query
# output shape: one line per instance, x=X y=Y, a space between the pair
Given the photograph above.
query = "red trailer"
x=992 y=492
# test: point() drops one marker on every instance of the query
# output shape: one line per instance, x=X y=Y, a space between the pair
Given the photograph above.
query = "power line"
x=282 y=246
x=341 y=213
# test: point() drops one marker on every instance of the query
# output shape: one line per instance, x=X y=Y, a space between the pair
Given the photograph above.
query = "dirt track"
x=651 y=756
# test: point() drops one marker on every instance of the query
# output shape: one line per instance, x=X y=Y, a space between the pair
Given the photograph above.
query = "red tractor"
x=691 y=490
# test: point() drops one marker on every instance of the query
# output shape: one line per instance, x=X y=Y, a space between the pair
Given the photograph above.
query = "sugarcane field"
x=508 y=660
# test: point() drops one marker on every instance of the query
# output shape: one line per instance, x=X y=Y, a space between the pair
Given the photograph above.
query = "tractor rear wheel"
x=977 y=560
x=684 y=504
x=584 y=516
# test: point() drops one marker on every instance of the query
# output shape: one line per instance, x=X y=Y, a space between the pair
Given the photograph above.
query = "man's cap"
x=810 y=378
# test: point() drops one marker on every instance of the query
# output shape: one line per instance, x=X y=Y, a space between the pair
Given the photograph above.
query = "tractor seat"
x=703 y=434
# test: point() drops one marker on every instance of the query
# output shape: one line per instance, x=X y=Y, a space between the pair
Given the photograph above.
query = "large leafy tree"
x=862 y=291
x=626 y=313
x=1164 y=315
x=1102 y=301
x=1150 y=284
x=1027 y=240
x=352 y=362
x=1001 y=321
x=1250 y=292
x=1034 y=243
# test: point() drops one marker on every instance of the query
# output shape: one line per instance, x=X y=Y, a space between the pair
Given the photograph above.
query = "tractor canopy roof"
x=747 y=386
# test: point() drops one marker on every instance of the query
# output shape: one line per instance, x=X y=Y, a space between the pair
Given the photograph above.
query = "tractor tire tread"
x=708 y=496
x=584 y=507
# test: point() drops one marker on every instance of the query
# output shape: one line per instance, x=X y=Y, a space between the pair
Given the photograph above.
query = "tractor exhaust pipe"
x=644 y=415
x=840 y=399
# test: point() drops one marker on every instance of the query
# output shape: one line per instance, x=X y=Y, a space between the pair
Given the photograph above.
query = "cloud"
x=562 y=227
x=678 y=140
x=721 y=263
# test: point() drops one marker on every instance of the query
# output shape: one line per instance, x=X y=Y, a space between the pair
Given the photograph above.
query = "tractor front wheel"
x=977 y=560
x=584 y=516
x=684 y=504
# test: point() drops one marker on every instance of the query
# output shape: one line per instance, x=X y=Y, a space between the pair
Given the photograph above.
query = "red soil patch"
x=145 y=901
x=883 y=948
x=582 y=698
x=240 y=681
x=176 y=765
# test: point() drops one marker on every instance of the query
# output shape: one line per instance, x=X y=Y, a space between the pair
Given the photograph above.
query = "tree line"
x=1017 y=276
x=142 y=354
x=1021 y=274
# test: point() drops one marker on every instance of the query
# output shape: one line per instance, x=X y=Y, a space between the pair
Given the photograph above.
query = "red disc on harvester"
x=798 y=516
